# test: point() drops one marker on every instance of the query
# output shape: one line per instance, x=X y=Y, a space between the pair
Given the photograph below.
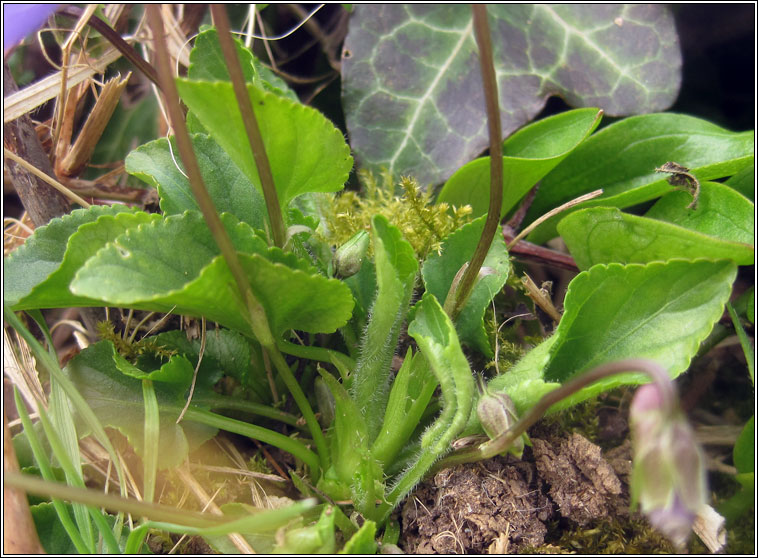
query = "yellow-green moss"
x=423 y=223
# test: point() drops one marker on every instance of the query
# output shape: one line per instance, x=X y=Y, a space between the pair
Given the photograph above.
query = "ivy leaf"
x=173 y=266
x=230 y=190
x=661 y=311
x=116 y=399
x=622 y=159
x=439 y=270
x=605 y=234
x=530 y=154
x=207 y=63
x=306 y=152
x=411 y=78
x=40 y=257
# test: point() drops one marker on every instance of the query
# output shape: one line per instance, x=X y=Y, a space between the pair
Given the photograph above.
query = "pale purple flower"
x=19 y=20
x=668 y=475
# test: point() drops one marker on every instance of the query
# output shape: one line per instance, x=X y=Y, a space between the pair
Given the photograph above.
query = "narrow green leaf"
x=306 y=152
x=363 y=541
x=529 y=154
x=412 y=389
x=744 y=448
x=435 y=334
x=412 y=91
x=440 y=269
x=396 y=269
x=43 y=253
x=622 y=158
x=721 y=213
x=744 y=182
x=605 y=234
x=231 y=191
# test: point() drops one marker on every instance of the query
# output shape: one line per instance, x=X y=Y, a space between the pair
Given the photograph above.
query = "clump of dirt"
x=503 y=505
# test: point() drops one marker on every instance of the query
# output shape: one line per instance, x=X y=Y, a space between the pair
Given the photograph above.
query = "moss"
x=612 y=536
x=423 y=223
x=130 y=350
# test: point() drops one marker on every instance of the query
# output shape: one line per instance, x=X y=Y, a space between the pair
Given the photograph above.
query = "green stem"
x=489 y=81
x=250 y=121
x=744 y=341
x=87 y=496
x=151 y=440
x=232 y=404
x=500 y=444
x=319 y=354
x=302 y=402
x=296 y=448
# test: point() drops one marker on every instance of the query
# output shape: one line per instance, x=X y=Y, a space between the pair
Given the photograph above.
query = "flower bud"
x=497 y=414
x=668 y=475
x=349 y=257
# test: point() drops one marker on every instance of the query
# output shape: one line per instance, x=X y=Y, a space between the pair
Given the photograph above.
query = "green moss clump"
x=423 y=223
x=130 y=350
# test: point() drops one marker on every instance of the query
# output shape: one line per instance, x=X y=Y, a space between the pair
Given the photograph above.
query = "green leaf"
x=412 y=88
x=178 y=370
x=50 y=530
x=117 y=401
x=172 y=265
x=605 y=234
x=43 y=253
x=440 y=269
x=744 y=182
x=744 y=448
x=306 y=152
x=230 y=190
x=363 y=541
x=207 y=64
x=435 y=335
x=721 y=212
x=622 y=158
x=530 y=154
x=412 y=389
x=660 y=311
x=396 y=268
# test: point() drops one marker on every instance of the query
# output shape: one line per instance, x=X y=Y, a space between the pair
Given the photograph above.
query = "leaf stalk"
x=489 y=81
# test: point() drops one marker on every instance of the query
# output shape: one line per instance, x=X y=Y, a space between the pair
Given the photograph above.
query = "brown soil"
x=504 y=505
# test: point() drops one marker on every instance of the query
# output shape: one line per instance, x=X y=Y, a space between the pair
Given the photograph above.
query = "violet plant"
x=245 y=185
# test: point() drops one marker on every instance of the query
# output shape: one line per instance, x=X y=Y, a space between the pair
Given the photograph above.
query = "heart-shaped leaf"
x=622 y=158
x=172 y=265
x=43 y=253
x=412 y=88
x=230 y=190
x=530 y=154
x=207 y=63
x=116 y=399
x=306 y=152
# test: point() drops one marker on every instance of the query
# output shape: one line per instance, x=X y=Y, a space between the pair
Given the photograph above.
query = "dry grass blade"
x=84 y=146
x=19 y=365
x=29 y=98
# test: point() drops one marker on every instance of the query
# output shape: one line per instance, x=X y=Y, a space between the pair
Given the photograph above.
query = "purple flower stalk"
x=668 y=475
x=19 y=20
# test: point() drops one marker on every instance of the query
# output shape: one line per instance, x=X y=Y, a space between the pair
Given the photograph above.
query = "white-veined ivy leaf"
x=412 y=87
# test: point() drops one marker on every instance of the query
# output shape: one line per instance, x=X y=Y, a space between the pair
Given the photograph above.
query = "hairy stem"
x=251 y=124
x=489 y=81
